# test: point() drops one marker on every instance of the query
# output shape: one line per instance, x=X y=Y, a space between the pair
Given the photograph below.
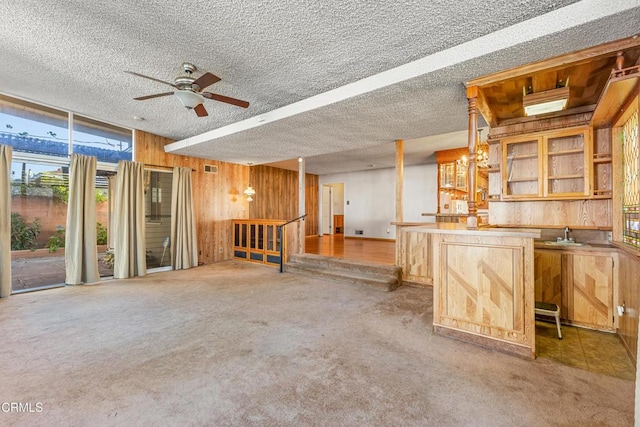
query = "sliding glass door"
x=42 y=139
x=157 y=191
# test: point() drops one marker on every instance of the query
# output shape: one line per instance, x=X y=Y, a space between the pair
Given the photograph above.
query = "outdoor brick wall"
x=50 y=212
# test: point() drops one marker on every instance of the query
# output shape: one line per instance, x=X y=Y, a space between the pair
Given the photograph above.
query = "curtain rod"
x=163 y=166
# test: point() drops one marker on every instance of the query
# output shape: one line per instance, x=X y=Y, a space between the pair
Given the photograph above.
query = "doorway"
x=333 y=209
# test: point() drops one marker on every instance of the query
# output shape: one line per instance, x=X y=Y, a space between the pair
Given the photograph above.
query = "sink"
x=563 y=243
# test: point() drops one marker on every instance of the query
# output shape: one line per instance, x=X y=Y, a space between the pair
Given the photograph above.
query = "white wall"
x=371 y=198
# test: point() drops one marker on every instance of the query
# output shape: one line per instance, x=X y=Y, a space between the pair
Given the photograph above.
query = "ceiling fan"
x=189 y=90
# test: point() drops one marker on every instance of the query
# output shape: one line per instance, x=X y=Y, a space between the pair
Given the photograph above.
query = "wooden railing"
x=262 y=240
x=258 y=240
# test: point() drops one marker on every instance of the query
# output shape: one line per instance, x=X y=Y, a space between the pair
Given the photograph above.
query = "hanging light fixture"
x=249 y=192
x=482 y=155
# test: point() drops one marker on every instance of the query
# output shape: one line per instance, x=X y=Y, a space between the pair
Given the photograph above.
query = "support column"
x=399 y=179
x=399 y=196
x=472 y=219
x=301 y=204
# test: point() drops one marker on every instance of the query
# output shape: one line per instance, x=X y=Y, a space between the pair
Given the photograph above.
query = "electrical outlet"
x=609 y=236
x=221 y=250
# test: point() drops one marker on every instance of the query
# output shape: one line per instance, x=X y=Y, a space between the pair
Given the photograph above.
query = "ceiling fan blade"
x=207 y=79
x=228 y=100
x=200 y=111
x=151 y=78
x=157 y=95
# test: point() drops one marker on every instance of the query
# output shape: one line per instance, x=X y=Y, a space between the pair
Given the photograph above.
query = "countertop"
x=453 y=228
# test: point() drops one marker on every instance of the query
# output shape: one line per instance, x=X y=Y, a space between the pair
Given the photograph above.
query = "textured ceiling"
x=72 y=55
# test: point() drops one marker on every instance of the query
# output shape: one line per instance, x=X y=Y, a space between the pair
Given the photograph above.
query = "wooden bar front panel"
x=482 y=288
x=415 y=257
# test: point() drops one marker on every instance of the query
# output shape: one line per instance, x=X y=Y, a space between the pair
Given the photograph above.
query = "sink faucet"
x=566 y=233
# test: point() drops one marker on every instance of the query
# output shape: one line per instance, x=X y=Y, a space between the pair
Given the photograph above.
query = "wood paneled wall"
x=553 y=213
x=277 y=196
x=629 y=295
x=218 y=197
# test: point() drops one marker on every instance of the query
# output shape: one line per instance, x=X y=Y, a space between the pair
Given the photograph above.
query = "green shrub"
x=23 y=235
x=101 y=232
x=56 y=241
x=108 y=258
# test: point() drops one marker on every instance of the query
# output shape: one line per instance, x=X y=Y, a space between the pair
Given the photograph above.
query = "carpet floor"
x=240 y=344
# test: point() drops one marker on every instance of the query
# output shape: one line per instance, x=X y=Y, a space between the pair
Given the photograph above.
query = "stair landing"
x=384 y=277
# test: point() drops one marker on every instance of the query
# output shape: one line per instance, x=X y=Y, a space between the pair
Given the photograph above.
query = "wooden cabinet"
x=547 y=165
x=548 y=279
x=453 y=181
x=590 y=300
x=338 y=224
x=453 y=177
x=580 y=283
x=257 y=240
x=522 y=168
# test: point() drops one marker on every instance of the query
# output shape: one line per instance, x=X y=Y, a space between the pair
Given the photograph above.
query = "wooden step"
x=385 y=277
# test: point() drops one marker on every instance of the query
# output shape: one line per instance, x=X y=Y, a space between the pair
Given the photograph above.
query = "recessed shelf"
x=566 y=176
x=522 y=157
x=603 y=159
x=564 y=152
x=522 y=179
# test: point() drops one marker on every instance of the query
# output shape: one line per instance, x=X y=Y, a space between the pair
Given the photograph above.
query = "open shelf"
x=522 y=179
x=604 y=158
x=566 y=176
x=564 y=152
x=522 y=156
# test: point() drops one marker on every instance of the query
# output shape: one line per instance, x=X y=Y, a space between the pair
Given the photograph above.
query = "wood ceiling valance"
x=588 y=71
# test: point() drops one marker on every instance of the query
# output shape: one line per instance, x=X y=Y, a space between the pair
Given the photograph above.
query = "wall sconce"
x=249 y=192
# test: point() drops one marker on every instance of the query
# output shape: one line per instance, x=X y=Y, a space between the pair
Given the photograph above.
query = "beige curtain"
x=129 y=222
x=5 y=220
x=111 y=201
x=184 y=246
x=81 y=252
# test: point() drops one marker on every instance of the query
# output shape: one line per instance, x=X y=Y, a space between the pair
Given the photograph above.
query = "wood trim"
x=485 y=109
x=558 y=62
x=628 y=108
x=370 y=238
x=472 y=136
x=570 y=112
x=615 y=100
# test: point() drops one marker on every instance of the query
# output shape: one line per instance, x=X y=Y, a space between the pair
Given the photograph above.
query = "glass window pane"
x=32 y=128
x=108 y=143
x=157 y=189
x=39 y=196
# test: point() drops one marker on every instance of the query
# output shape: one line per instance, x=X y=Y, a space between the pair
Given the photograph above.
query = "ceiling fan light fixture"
x=189 y=99
x=545 y=102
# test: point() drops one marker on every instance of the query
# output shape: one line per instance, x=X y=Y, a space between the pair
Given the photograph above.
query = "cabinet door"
x=521 y=172
x=566 y=164
x=447 y=175
x=590 y=286
x=548 y=279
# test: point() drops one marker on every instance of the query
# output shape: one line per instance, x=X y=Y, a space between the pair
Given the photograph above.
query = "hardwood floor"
x=375 y=251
